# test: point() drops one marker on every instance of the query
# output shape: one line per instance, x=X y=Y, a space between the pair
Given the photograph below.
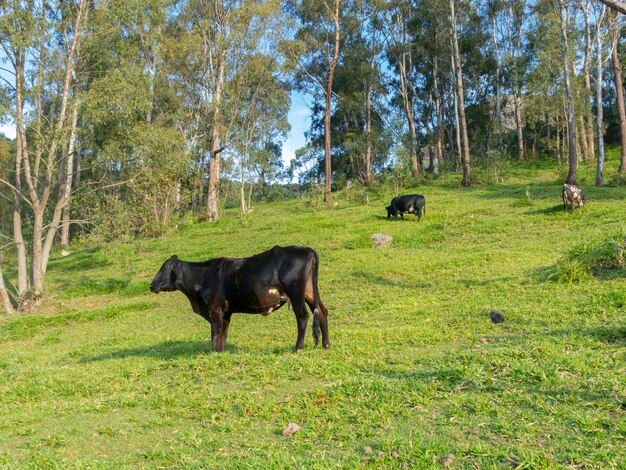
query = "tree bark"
x=368 y=133
x=69 y=173
x=498 y=99
x=407 y=100
x=465 y=156
x=18 y=236
x=616 y=5
x=4 y=295
x=619 y=95
x=214 y=147
x=599 y=117
x=588 y=127
x=439 y=112
x=571 y=128
x=519 y=126
x=328 y=103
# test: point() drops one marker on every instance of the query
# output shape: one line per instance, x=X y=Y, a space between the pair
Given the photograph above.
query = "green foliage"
x=589 y=259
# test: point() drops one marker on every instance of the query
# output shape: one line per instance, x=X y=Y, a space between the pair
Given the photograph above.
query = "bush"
x=587 y=260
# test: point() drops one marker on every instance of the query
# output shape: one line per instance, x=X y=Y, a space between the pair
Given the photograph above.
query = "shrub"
x=587 y=260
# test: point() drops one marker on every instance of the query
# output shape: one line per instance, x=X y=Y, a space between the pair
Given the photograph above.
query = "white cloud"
x=8 y=130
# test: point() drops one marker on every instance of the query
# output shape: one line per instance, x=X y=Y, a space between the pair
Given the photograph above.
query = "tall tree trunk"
x=465 y=156
x=589 y=97
x=242 y=189
x=368 y=133
x=615 y=5
x=600 y=115
x=214 y=147
x=619 y=94
x=4 y=295
x=439 y=111
x=519 y=126
x=18 y=236
x=407 y=99
x=571 y=128
x=69 y=171
x=328 y=103
x=457 y=125
x=498 y=98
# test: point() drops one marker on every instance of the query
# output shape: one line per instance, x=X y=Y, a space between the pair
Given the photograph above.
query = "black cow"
x=412 y=204
x=262 y=283
x=574 y=195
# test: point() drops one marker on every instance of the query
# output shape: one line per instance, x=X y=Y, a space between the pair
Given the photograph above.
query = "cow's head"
x=168 y=277
x=389 y=211
x=583 y=199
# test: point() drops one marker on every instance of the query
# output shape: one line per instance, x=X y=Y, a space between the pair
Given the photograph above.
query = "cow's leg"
x=302 y=317
x=322 y=315
x=222 y=334
x=419 y=214
x=217 y=325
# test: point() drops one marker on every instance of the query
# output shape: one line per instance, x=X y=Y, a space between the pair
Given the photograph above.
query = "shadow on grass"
x=550 y=190
x=169 y=350
x=82 y=261
x=552 y=210
x=165 y=350
x=605 y=335
x=374 y=279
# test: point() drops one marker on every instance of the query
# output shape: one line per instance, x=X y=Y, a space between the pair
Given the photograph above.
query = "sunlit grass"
x=109 y=375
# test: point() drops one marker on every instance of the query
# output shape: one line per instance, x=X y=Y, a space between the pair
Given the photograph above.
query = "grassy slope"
x=109 y=375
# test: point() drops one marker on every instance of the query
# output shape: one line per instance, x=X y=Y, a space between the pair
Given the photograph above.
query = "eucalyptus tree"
x=215 y=39
x=616 y=5
x=619 y=91
x=394 y=18
x=563 y=10
x=460 y=94
x=316 y=51
x=599 y=116
x=260 y=117
x=39 y=41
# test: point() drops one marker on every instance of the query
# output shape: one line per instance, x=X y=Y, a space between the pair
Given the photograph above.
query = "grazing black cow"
x=574 y=195
x=412 y=204
x=262 y=283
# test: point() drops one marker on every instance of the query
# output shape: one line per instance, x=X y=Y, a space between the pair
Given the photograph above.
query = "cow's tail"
x=316 y=299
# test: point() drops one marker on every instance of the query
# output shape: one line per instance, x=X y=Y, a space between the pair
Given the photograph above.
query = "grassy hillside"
x=109 y=375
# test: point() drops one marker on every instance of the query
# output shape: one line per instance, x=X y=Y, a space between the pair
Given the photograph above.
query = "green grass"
x=107 y=375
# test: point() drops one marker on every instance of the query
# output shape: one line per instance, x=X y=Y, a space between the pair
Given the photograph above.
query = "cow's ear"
x=177 y=271
x=174 y=257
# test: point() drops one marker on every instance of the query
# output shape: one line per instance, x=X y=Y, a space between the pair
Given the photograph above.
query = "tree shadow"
x=374 y=279
x=81 y=261
x=605 y=335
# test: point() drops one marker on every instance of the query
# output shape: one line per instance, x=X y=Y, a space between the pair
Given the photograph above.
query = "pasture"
x=108 y=375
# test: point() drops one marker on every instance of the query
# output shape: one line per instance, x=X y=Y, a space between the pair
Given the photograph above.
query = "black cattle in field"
x=262 y=283
x=574 y=195
x=411 y=204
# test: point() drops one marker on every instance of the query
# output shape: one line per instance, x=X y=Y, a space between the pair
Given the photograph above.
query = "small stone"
x=367 y=449
x=65 y=253
x=380 y=239
x=496 y=317
x=395 y=454
x=447 y=460
x=291 y=429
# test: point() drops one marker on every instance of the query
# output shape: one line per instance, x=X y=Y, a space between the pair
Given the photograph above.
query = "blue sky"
x=300 y=119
